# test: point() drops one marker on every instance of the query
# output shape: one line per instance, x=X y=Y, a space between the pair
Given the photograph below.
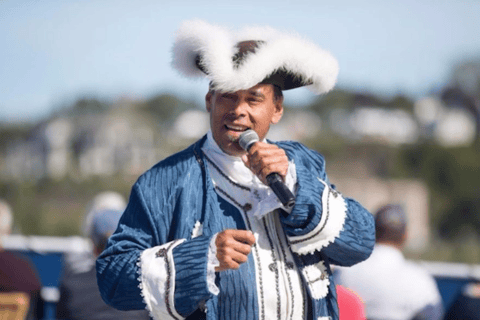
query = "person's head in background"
x=6 y=220
x=104 y=223
x=102 y=216
x=391 y=226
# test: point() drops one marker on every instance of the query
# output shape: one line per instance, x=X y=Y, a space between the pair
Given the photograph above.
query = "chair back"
x=14 y=305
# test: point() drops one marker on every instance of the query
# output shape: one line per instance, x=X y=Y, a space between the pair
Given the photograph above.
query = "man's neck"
x=213 y=145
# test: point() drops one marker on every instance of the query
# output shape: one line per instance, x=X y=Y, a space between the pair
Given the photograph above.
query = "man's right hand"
x=233 y=248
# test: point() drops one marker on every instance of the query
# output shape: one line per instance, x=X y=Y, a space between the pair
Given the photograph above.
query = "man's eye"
x=229 y=96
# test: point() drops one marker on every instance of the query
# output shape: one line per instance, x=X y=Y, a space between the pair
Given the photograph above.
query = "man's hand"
x=233 y=248
x=264 y=158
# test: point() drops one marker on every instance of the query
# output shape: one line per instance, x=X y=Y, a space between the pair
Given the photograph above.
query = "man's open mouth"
x=236 y=128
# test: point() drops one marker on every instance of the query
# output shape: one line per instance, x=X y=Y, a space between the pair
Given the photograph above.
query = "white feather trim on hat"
x=217 y=45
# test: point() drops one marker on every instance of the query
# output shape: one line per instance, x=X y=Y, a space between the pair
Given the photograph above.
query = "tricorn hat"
x=235 y=61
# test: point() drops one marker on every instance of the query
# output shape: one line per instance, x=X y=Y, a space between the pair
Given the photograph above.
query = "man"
x=18 y=276
x=391 y=287
x=203 y=236
x=79 y=295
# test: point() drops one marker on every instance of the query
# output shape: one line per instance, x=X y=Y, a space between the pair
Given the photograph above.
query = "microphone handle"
x=284 y=194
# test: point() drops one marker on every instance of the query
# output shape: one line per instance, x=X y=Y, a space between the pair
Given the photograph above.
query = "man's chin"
x=233 y=149
x=233 y=137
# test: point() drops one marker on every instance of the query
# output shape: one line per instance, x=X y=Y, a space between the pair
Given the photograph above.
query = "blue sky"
x=53 y=52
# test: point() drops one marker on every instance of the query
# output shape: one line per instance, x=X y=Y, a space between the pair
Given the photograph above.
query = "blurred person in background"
x=84 y=260
x=79 y=295
x=18 y=275
x=391 y=287
x=203 y=235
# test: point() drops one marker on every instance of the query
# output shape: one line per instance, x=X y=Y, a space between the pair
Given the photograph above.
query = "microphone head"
x=247 y=139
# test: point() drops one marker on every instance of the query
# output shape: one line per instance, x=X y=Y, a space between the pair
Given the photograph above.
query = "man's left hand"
x=264 y=158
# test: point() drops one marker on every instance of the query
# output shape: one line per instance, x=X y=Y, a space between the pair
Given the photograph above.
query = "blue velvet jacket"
x=154 y=237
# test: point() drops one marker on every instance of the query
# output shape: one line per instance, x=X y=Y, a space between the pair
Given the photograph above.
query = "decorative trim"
x=259 y=268
x=157 y=280
x=289 y=265
x=197 y=229
x=140 y=284
x=265 y=224
x=275 y=269
x=162 y=253
x=258 y=265
x=256 y=260
x=225 y=176
x=245 y=208
x=334 y=211
x=212 y=263
x=317 y=280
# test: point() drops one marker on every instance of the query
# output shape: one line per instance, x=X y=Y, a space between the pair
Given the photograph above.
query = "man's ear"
x=208 y=100
x=278 y=113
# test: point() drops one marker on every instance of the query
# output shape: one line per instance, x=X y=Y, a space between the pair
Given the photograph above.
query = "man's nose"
x=239 y=107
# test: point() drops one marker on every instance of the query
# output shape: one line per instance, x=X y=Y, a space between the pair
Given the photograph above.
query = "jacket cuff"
x=326 y=220
x=157 y=276
x=212 y=263
x=191 y=263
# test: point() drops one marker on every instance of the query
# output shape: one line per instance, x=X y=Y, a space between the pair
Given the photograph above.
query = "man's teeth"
x=236 y=128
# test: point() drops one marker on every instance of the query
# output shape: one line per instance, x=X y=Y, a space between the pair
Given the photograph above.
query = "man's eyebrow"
x=256 y=93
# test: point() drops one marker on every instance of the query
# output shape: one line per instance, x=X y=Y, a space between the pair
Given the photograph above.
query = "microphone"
x=275 y=182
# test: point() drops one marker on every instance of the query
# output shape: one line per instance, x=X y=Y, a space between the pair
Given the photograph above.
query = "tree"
x=89 y=105
x=464 y=90
x=165 y=107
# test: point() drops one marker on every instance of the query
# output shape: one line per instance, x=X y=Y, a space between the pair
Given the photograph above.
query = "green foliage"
x=56 y=208
x=453 y=177
x=349 y=100
x=89 y=105
x=399 y=102
x=10 y=133
x=466 y=76
x=165 y=107
x=334 y=99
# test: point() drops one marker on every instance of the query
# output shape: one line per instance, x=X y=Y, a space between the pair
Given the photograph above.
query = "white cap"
x=108 y=200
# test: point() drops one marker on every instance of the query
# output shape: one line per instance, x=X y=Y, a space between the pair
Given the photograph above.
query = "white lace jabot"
x=261 y=197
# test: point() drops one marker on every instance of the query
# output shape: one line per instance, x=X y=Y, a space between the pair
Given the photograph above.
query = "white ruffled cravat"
x=261 y=197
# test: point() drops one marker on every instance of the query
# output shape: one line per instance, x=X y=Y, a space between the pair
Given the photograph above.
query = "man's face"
x=231 y=113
